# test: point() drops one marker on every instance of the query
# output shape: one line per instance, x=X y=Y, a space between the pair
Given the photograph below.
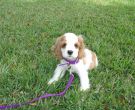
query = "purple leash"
x=46 y=95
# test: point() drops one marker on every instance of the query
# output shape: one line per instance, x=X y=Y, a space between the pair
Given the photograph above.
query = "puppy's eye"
x=76 y=45
x=64 y=45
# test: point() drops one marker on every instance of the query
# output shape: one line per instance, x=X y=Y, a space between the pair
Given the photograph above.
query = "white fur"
x=80 y=68
x=71 y=39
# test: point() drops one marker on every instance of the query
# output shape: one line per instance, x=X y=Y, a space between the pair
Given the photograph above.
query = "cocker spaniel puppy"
x=70 y=48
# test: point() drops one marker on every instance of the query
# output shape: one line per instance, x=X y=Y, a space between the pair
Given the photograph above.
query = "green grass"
x=28 y=29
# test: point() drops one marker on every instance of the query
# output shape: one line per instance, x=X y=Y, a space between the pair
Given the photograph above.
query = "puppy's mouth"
x=71 y=57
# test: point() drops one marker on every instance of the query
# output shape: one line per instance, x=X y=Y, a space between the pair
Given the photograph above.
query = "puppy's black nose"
x=70 y=52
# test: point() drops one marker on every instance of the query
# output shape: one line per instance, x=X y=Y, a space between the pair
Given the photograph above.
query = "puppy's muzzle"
x=70 y=52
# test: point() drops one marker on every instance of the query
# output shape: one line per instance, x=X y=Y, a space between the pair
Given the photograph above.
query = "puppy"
x=70 y=47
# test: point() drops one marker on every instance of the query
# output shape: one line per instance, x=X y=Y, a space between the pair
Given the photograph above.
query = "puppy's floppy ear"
x=81 y=47
x=56 y=48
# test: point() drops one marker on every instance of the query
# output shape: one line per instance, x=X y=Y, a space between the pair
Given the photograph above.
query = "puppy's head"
x=69 y=46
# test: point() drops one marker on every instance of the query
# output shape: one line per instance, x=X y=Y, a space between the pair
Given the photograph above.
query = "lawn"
x=28 y=29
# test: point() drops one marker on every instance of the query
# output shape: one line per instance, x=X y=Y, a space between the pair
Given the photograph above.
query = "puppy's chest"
x=72 y=68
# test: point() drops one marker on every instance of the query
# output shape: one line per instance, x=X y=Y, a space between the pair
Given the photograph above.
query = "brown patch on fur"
x=57 y=46
x=81 y=47
x=93 y=64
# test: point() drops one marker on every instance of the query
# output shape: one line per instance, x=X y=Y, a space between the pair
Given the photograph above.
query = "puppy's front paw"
x=51 y=81
x=84 y=88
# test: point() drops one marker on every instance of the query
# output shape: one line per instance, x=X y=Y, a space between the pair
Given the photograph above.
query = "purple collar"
x=72 y=61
